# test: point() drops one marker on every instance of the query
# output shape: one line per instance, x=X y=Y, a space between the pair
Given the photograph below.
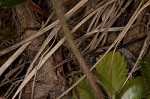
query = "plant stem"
x=75 y=50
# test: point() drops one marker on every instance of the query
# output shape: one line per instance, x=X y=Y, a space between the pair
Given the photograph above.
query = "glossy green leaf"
x=134 y=92
x=84 y=90
x=112 y=72
x=134 y=89
x=12 y=2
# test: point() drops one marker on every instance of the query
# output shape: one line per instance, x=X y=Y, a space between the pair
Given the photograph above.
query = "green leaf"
x=112 y=72
x=134 y=92
x=84 y=90
x=148 y=97
x=145 y=70
x=134 y=89
x=12 y=2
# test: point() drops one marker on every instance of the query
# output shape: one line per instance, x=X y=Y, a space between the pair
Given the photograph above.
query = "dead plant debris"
x=37 y=62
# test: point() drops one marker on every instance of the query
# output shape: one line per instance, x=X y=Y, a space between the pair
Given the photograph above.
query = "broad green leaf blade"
x=148 y=97
x=112 y=72
x=145 y=70
x=84 y=90
x=134 y=89
x=134 y=92
x=12 y=2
